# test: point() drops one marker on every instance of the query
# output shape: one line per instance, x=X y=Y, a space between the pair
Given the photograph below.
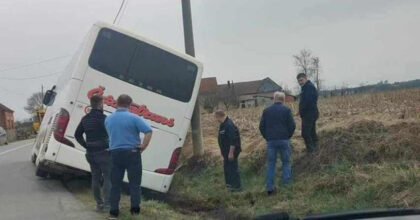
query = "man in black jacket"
x=277 y=127
x=308 y=111
x=97 y=153
x=230 y=147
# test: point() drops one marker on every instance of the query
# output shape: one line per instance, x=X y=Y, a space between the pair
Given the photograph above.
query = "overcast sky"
x=358 y=41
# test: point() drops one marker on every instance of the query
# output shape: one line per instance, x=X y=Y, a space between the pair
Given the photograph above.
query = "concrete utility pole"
x=42 y=95
x=197 y=137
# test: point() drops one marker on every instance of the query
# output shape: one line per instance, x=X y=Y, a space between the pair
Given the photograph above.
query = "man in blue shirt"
x=277 y=127
x=124 y=130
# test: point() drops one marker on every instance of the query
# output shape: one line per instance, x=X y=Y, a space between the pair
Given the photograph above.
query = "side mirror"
x=49 y=97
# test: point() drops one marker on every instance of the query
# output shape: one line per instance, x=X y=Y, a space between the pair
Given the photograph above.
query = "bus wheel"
x=33 y=158
x=40 y=172
x=55 y=176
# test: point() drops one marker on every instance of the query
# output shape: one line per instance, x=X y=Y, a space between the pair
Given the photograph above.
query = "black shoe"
x=99 y=207
x=271 y=192
x=235 y=189
x=135 y=210
x=113 y=214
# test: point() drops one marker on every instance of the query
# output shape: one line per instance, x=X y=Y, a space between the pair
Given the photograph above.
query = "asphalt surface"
x=26 y=196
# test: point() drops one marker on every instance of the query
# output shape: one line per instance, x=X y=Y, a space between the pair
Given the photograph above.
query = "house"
x=246 y=94
x=208 y=85
x=252 y=93
x=7 y=121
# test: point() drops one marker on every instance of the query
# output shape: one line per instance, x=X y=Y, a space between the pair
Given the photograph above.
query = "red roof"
x=208 y=84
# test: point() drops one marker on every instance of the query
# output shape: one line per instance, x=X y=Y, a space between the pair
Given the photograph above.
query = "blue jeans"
x=100 y=167
x=273 y=148
x=231 y=172
x=125 y=160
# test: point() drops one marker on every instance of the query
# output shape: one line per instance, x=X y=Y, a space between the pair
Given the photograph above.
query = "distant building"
x=248 y=94
x=7 y=121
x=208 y=85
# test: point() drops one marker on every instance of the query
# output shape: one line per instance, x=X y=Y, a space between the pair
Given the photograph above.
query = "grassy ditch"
x=362 y=166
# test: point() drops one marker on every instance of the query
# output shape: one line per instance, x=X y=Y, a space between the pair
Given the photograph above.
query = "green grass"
x=338 y=187
x=200 y=194
x=364 y=166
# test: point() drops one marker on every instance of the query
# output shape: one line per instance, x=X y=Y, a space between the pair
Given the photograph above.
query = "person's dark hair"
x=124 y=101
x=301 y=75
x=220 y=113
x=95 y=101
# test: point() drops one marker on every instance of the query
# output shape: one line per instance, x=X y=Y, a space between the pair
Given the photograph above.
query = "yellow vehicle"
x=39 y=115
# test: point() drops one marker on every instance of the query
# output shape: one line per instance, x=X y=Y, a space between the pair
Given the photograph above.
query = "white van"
x=3 y=136
x=163 y=83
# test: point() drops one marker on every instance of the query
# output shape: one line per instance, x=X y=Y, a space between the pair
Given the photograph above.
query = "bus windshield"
x=143 y=65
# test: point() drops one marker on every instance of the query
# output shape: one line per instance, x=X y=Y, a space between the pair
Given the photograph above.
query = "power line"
x=33 y=77
x=32 y=64
x=119 y=11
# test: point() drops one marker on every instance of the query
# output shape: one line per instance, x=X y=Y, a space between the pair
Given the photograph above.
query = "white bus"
x=163 y=83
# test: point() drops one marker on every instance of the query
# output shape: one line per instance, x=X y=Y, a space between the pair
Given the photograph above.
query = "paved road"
x=25 y=196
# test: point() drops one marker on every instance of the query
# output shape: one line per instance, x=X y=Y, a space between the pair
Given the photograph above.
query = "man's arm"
x=146 y=141
x=230 y=131
x=78 y=134
x=291 y=124
x=144 y=127
x=262 y=125
x=310 y=98
x=302 y=103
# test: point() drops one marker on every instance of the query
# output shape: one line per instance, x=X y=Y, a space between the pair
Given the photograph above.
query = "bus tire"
x=40 y=172
x=33 y=158
x=55 y=176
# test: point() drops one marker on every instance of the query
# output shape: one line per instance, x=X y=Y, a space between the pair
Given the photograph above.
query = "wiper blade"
x=366 y=214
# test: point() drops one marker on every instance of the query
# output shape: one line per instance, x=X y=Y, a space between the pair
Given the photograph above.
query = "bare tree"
x=210 y=101
x=34 y=102
x=310 y=65
x=229 y=98
x=303 y=62
x=286 y=89
x=315 y=72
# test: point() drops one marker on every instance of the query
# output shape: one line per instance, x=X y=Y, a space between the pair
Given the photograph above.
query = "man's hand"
x=142 y=148
x=146 y=141
x=230 y=156
x=231 y=151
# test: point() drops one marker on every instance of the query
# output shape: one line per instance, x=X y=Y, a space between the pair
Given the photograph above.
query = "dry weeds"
x=383 y=108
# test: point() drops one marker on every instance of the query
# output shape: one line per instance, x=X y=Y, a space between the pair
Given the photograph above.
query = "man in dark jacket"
x=308 y=111
x=97 y=153
x=230 y=147
x=277 y=126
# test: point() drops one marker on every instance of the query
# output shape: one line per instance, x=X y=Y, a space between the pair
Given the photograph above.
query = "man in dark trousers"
x=308 y=111
x=230 y=147
x=97 y=153
x=124 y=130
x=277 y=127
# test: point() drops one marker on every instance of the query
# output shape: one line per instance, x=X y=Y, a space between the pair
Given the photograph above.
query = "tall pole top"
x=188 y=29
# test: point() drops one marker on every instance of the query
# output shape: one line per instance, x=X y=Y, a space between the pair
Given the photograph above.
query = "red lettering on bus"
x=137 y=109
x=96 y=91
